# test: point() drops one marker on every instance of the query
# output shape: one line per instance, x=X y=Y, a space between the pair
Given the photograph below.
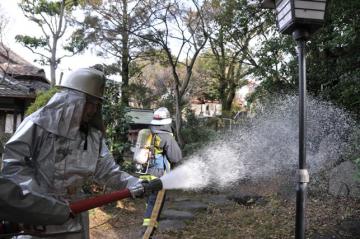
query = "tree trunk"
x=178 y=120
x=52 y=75
x=229 y=98
x=222 y=90
x=53 y=63
x=125 y=57
x=56 y=37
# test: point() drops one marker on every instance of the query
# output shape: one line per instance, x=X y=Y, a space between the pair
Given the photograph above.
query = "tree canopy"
x=170 y=52
x=52 y=17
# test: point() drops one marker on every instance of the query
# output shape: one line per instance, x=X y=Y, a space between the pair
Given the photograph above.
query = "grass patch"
x=273 y=220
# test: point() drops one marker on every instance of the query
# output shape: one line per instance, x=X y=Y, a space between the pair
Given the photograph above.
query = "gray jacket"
x=167 y=142
x=169 y=147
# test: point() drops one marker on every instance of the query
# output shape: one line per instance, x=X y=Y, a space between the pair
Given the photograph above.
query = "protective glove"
x=138 y=190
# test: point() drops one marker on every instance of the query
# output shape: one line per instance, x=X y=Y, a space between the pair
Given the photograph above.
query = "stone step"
x=217 y=200
x=188 y=206
x=171 y=225
x=176 y=214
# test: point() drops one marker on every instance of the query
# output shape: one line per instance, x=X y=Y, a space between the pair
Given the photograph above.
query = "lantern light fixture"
x=295 y=14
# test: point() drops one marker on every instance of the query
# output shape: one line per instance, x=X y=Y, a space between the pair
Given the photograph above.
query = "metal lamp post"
x=301 y=19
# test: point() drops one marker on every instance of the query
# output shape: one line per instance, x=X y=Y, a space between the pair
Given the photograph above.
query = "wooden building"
x=19 y=82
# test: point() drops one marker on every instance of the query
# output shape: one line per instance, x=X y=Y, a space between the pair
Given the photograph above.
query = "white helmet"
x=87 y=80
x=161 y=117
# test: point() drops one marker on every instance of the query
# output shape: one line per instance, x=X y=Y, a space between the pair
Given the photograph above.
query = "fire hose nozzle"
x=153 y=186
x=145 y=188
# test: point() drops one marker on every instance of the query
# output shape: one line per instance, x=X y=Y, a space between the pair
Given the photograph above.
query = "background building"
x=19 y=83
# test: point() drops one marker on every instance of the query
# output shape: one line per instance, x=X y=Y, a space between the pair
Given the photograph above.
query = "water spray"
x=266 y=146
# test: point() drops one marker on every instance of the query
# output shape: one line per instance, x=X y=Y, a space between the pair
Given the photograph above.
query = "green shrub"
x=41 y=99
x=117 y=122
x=3 y=139
x=197 y=132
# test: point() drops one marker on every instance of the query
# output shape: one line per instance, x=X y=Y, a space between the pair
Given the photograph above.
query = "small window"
x=9 y=123
x=18 y=120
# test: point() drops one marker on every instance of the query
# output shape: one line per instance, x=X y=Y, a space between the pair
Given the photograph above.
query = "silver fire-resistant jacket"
x=49 y=155
x=14 y=203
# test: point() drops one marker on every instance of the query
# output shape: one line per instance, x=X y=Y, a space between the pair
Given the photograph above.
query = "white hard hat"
x=161 y=117
x=86 y=80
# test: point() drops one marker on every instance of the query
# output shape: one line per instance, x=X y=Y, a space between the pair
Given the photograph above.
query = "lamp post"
x=301 y=19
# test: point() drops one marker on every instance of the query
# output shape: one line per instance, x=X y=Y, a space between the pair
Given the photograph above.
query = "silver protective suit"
x=14 y=203
x=49 y=155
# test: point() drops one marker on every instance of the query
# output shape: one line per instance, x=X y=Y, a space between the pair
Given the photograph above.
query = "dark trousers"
x=150 y=205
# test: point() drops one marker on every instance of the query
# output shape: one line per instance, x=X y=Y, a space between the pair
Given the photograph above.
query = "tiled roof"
x=12 y=88
x=141 y=116
x=7 y=55
x=7 y=91
x=17 y=67
x=21 y=71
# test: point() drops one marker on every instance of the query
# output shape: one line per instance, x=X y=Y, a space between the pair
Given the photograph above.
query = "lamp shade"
x=296 y=14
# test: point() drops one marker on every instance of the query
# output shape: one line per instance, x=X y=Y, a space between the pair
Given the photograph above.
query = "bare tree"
x=108 y=27
x=5 y=51
x=52 y=17
x=232 y=25
x=177 y=28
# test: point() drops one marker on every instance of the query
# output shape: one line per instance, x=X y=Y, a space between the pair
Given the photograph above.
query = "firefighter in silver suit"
x=61 y=146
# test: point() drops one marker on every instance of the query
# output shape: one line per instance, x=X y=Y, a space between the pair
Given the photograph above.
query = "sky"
x=18 y=24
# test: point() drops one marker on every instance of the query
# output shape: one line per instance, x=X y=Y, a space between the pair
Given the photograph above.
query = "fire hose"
x=9 y=229
x=90 y=203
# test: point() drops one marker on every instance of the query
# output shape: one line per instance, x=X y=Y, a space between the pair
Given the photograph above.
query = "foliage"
x=152 y=83
x=269 y=88
x=77 y=43
x=110 y=28
x=196 y=133
x=332 y=63
x=332 y=60
x=333 y=71
x=142 y=95
x=206 y=85
x=3 y=139
x=232 y=25
x=277 y=58
x=334 y=56
x=278 y=67
x=33 y=42
x=41 y=99
x=116 y=121
x=52 y=17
